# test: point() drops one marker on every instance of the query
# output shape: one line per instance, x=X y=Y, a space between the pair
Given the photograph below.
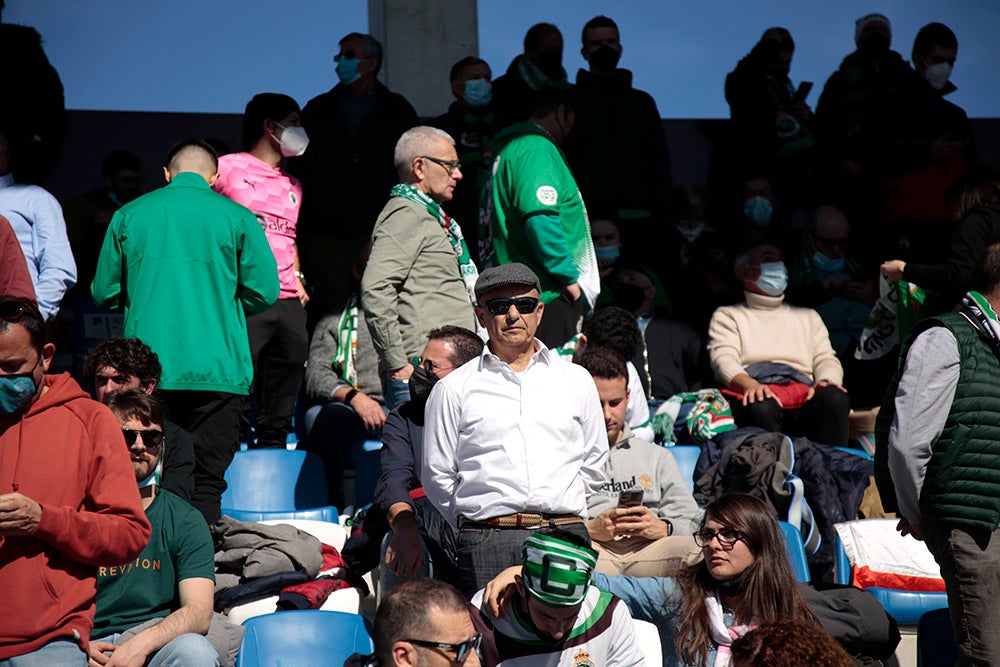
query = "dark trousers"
x=279 y=345
x=823 y=418
x=561 y=320
x=335 y=434
x=485 y=552
x=213 y=420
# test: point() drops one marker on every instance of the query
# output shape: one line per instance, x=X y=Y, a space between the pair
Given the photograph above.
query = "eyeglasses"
x=151 y=437
x=462 y=651
x=451 y=165
x=429 y=365
x=524 y=305
x=727 y=537
x=16 y=309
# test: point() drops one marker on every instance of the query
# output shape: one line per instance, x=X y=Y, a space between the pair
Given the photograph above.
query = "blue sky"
x=200 y=56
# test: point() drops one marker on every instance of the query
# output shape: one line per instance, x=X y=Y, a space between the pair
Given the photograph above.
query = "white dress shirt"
x=497 y=442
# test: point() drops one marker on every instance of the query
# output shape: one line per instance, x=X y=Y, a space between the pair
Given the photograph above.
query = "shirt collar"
x=542 y=354
x=188 y=178
x=6 y=181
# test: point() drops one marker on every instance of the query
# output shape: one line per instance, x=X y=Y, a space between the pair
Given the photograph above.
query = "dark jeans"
x=823 y=419
x=213 y=420
x=279 y=345
x=336 y=433
x=484 y=552
x=561 y=320
x=970 y=567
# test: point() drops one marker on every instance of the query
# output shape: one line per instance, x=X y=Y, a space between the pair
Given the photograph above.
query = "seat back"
x=796 y=551
x=936 y=645
x=648 y=637
x=686 y=457
x=308 y=637
x=270 y=480
x=327 y=532
x=327 y=513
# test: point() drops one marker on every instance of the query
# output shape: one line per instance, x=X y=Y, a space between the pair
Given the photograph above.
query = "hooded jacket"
x=67 y=453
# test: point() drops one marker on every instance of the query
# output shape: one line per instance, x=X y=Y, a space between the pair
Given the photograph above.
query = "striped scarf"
x=347 y=343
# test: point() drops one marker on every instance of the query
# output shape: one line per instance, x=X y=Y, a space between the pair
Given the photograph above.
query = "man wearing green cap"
x=556 y=616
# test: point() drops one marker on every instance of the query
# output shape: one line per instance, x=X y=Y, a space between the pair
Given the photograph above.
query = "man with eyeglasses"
x=534 y=214
x=419 y=274
x=157 y=608
x=68 y=500
x=514 y=441
x=425 y=623
x=555 y=615
x=347 y=170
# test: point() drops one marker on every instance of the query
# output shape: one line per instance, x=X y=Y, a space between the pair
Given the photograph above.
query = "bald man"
x=187 y=265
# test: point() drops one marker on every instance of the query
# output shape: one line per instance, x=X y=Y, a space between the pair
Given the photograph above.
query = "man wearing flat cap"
x=514 y=441
x=553 y=614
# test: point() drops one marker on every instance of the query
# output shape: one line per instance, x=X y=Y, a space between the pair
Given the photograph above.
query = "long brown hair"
x=770 y=591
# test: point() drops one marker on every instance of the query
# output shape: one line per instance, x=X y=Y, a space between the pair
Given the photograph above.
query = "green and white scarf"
x=977 y=306
x=465 y=264
x=347 y=342
x=556 y=572
x=535 y=78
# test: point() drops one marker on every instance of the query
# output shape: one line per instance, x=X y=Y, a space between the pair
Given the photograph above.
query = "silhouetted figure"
x=540 y=66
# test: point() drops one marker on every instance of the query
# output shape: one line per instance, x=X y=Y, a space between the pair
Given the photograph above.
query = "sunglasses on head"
x=462 y=651
x=524 y=305
x=151 y=438
x=16 y=309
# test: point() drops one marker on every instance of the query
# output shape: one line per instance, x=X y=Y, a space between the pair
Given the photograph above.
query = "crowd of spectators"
x=516 y=300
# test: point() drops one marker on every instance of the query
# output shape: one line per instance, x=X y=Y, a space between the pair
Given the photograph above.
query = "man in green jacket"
x=419 y=275
x=535 y=215
x=940 y=470
x=187 y=265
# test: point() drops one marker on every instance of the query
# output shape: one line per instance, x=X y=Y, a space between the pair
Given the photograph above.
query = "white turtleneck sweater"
x=765 y=329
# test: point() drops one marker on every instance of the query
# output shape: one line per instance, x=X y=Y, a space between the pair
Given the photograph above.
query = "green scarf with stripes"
x=557 y=573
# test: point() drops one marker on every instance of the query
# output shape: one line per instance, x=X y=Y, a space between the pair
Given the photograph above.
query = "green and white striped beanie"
x=556 y=572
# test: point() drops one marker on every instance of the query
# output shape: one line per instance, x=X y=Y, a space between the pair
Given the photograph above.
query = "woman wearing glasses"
x=744 y=581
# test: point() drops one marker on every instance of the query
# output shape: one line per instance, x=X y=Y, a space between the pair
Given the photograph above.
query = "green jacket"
x=962 y=485
x=187 y=265
x=412 y=283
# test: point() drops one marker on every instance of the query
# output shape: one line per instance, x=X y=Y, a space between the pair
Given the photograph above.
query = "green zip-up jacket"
x=187 y=265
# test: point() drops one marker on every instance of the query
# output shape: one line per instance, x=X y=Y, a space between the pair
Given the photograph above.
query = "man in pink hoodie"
x=68 y=498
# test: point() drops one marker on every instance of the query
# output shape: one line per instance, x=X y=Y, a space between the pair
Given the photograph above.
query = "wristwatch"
x=349 y=396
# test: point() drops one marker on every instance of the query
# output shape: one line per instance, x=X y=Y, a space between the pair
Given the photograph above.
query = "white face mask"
x=937 y=75
x=293 y=141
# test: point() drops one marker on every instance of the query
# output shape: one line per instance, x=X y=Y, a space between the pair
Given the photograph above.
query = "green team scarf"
x=347 y=342
x=465 y=264
x=557 y=573
x=535 y=78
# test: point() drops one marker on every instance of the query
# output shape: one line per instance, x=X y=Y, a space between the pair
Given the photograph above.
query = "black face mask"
x=629 y=296
x=421 y=382
x=605 y=58
x=550 y=62
x=874 y=45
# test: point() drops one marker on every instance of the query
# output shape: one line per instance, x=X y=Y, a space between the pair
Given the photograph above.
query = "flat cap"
x=503 y=275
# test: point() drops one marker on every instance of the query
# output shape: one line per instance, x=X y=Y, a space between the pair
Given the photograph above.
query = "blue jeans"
x=187 y=650
x=57 y=653
x=397 y=392
x=484 y=552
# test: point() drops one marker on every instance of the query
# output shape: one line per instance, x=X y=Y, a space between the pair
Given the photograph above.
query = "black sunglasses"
x=16 y=309
x=462 y=651
x=151 y=438
x=524 y=305
x=450 y=165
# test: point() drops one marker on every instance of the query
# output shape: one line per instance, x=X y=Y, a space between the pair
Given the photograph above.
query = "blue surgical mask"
x=347 y=70
x=759 y=210
x=690 y=233
x=608 y=252
x=154 y=477
x=16 y=392
x=773 y=278
x=478 y=92
x=826 y=264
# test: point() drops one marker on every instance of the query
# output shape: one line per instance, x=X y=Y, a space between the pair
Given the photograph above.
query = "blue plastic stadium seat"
x=275 y=480
x=327 y=513
x=796 y=551
x=936 y=640
x=905 y=606
x=309 y=637
x=686 y=457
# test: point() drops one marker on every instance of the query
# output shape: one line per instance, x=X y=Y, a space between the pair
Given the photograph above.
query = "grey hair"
x=417 y=141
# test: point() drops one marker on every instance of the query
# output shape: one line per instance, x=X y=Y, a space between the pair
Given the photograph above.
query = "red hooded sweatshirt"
x=67 y=453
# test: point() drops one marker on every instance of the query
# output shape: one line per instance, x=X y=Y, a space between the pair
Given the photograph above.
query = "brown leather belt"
x=526 y=520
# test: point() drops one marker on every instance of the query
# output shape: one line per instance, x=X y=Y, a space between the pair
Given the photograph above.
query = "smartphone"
x=803 y=91
x=630 y=498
